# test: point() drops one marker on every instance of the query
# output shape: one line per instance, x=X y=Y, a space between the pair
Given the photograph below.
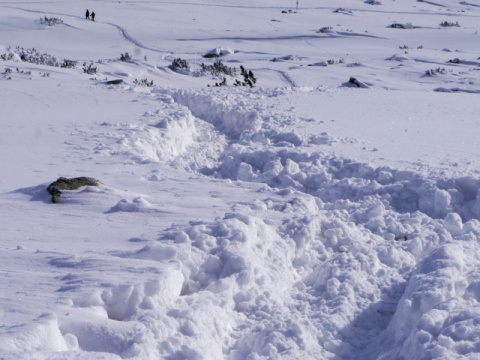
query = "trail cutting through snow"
x=361 y=210
x=343 y=254
x=225 y=225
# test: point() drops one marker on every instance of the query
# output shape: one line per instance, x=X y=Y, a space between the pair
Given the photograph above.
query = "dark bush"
x=218 y=68
x=179 y=64
x=125 y=57
x=449 y=24
x=69 y=64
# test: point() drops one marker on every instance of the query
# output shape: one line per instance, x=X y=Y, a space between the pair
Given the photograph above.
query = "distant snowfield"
x=329 y=212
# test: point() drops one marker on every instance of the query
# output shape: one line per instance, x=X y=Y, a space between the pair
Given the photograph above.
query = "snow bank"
x=223 y=110
x=42 y=334
x=159 y=136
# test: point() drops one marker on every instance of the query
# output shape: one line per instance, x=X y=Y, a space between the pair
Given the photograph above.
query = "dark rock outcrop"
x=55 y=188
x=114 y=82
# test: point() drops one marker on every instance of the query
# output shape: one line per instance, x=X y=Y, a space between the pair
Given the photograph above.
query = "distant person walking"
x=93 y=16
x=87 y=15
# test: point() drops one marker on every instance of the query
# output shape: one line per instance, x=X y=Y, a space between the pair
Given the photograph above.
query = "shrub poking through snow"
x=373 y=2
x=35 y=57
x=8 y=56
x=449 y=24
x=248 y=78
x=7 y=74
x=433 y=72
x=125 y=57
x=325 y=29
x=333 y=61
x=218 y=68
x=143 y=82
x=69 y=64
x=342 y=11
x=51 y=21
x=9 y=71
x=354 y=64
x=23 y=72
x=179 y=64
x=90 y=69
x=223 y=83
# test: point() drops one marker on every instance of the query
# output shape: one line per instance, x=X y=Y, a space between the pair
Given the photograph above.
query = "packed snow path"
x=346 y=255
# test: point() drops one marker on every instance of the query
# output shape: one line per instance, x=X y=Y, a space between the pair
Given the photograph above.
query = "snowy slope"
x=310 y=216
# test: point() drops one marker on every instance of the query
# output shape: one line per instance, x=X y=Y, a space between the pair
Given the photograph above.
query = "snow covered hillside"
x=274 y=182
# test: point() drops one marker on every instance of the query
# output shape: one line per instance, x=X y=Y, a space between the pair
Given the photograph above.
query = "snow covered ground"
x=331 y=211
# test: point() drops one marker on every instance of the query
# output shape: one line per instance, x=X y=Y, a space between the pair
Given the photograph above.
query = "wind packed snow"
x=277 y=181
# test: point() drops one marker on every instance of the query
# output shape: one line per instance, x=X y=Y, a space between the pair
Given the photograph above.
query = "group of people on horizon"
x=89 y=15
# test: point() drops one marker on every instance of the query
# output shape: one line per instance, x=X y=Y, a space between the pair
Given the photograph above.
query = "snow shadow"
x=365 y=336
x=36 y=193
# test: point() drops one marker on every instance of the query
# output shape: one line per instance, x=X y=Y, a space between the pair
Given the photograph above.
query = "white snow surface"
x=331 y=211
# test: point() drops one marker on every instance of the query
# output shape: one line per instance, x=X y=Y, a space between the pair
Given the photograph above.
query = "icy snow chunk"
x=453 y=224
x=385 y=177
x=219 y=51
x=320 y=63
x=322 y=139
x=397 y=57
x=139 y=204
x=42 y=333
x=291 y=167
x=476 y=205
x=124 y=301
x=473 y=290
x=289 y=137
x=245 y=172
x=155 y=251
x=376 y=210
x=286 y=58
x=432 y=321
x=442 y=202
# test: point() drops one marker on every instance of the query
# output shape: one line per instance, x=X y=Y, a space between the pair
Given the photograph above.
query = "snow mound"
x=219 y=51
x=43 y=334
x=398 y=57
x=139 y=204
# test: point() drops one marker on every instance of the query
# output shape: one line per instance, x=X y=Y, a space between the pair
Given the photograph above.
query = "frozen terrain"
x=329 y=211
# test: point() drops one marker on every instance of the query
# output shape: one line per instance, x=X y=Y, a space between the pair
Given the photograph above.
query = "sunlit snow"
x=277 y=179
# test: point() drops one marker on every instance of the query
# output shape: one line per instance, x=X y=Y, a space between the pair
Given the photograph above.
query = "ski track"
x=134 y=41
x=123 y=31
x=286 y=78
